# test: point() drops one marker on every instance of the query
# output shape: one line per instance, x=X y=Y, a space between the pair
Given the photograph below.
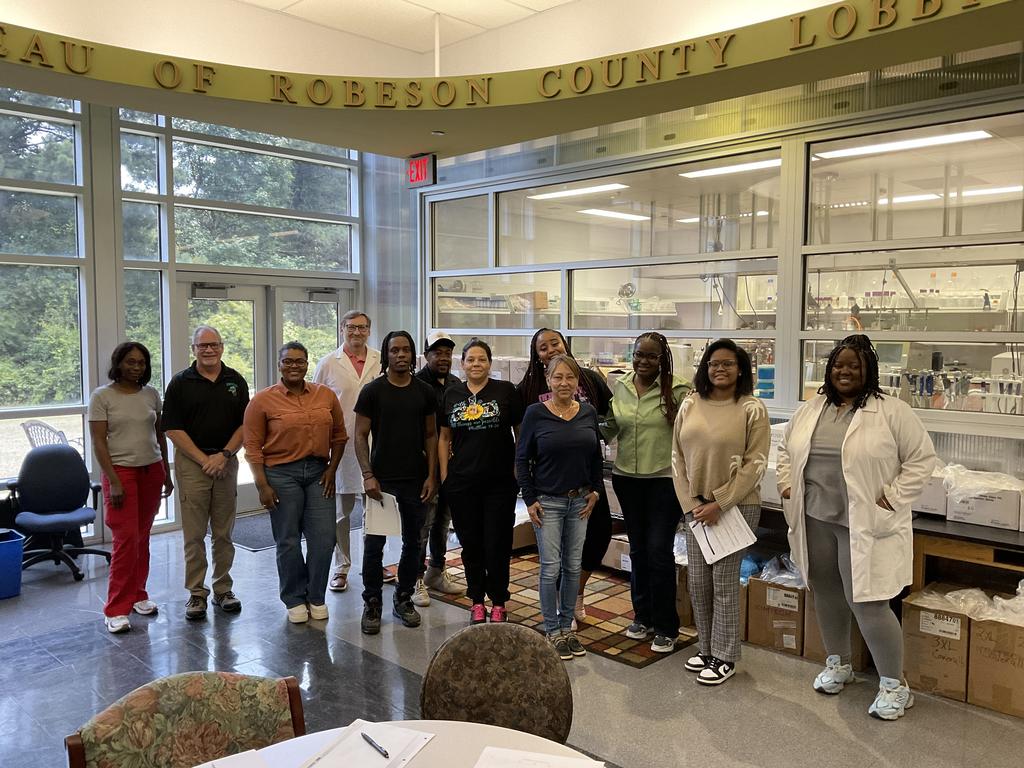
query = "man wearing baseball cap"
x=434 y=536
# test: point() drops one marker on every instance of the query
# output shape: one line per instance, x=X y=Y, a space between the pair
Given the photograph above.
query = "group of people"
x=851 y=463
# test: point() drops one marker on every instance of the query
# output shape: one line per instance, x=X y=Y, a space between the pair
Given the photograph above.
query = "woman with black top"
x=477 y=457
x=559 y=468
x=592 y=389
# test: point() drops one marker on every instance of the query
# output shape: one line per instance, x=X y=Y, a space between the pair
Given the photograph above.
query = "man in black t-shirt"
x=202 y=416
x=399 y=411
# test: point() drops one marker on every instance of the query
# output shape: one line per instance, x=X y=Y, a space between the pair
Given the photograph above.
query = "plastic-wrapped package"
x=749 y=567
x=1010 y=609
x=974 y=602
x=962 y=483
x=679 y=549
x=781 y=570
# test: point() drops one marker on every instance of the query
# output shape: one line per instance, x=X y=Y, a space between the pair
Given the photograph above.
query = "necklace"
x=566 y=413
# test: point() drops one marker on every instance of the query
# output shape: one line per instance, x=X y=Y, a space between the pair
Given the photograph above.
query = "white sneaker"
x=892 y=701
x=145 y=607
x=716 y=672
x=318 y=612
x=299 y=614
x=580 y=611
x=420 y=596
x=117 y=624
x=663 y=644
x=438 y=580
x=834 y=677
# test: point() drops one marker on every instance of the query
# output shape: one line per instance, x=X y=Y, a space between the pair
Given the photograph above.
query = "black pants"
x=483 y=522
x=599 y=533
x=652 y=513
x=434 y=535
x=412 y=511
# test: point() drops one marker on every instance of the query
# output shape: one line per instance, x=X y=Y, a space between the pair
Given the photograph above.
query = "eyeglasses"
x=652 y=356
x=714 y=365
x=357 y=328
x=291 y=362
x=209 y=345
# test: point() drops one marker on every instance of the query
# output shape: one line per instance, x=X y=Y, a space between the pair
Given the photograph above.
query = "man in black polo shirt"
x=202 y=416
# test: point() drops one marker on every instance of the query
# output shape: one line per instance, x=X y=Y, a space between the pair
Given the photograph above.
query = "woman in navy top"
x=559 y=468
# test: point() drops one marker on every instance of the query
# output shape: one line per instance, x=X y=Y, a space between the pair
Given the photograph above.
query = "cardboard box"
x=499 y=368
x=531 y=300
x=995 y=678
x=517 y=368
x=684 y=608
x=616 y=556
x=997 y=509
x=743 y=611
x=935 y=649
x=814 y=646
x=775 y=616
x=932 y=500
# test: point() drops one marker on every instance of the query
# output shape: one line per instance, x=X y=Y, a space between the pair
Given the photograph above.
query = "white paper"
x=350 y=750
x=497 y=757
x=382 y=518
x=942 y=626
x=248 y=759
x=730 y=534
x=786 y=599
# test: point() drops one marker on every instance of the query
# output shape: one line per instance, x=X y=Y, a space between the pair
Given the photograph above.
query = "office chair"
x=51 y=492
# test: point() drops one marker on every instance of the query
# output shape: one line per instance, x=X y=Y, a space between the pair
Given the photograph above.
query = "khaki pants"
x=206 y=501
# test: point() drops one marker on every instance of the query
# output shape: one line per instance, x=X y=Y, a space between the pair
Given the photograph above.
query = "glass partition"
x=460 y=233
x=521 y=300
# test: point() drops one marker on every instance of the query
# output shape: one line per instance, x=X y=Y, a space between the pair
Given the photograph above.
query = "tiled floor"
x=58 y=666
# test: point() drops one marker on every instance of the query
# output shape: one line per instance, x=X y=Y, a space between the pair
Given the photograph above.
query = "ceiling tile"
x=273 y=5
x=541 y=5
x=395 y=22
x=452 y=31
x=489 y=15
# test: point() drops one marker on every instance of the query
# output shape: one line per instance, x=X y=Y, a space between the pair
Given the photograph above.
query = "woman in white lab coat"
x=338 y=371
x=851 y=463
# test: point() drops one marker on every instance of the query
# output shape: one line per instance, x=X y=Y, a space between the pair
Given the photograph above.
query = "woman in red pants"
x=124 y=420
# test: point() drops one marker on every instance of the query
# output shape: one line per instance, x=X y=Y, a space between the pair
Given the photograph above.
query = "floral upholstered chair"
x=499 y=674
x=187 y=719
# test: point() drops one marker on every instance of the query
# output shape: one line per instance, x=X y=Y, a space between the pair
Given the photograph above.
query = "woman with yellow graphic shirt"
x=477 y=457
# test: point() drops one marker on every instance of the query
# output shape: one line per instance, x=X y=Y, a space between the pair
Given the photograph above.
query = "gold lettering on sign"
x=481 y=89
x=971 y=4
x=319 y=91
x=683 y=52
x=542 y=86
x=282 y=89
x=927 y=8
x=606 y=71
x=883 y=13
x=35 y=48
x=574 y=80
x=160 y=74
x=837 y=32
x=386 y=94
x=355 y=96
x=69 y=57
x=449 y=97
x=3 y=48
x=650 y=64
x=413 y=93
x=718 y=46
x=797 y=23
x=204 y=77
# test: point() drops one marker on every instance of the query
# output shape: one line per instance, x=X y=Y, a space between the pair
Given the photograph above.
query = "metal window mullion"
x=262 y=210
x=790 y=272
x=954 y=241
x=42 y=113
x=40 y=260
x=264 y=149
x=45 y=187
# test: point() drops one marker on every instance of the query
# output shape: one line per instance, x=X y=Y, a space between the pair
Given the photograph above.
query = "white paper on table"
x=382 y=518
x=730 y=534
x=498 y=757
x=248 y=759
x=350 y=750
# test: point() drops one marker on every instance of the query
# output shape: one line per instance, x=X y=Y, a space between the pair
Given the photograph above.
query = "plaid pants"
x=715 y=594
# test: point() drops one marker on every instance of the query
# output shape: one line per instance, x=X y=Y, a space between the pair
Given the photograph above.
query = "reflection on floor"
x=58 y=666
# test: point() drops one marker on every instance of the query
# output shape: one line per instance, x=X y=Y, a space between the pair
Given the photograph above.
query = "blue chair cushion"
x=60 y=522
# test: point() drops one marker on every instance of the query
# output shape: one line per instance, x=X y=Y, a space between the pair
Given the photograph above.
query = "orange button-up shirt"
x=280 y=427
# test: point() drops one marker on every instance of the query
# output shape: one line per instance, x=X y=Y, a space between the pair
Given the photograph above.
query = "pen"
x=375 y=745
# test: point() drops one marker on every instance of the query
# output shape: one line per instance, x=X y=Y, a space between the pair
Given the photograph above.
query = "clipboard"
x=382 y=517
x=729 y=535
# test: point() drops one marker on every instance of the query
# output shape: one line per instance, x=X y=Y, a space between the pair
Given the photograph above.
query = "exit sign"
x=421 y=171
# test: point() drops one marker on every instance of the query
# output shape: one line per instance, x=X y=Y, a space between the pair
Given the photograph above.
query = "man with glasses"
x=202 y=416
x=345 y=371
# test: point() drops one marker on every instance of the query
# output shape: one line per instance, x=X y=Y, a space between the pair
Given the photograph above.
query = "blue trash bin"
x=11 y=546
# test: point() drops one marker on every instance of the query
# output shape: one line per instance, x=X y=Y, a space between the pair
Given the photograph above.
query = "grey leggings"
x=828 y=570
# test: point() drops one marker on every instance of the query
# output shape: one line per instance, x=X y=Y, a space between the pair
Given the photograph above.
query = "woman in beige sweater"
x=719 y=452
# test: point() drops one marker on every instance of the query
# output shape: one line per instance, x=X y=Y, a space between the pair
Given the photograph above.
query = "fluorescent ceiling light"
x=694 y=220
x=576 y=192
x=908 y=199
x=721 y=171
x=990 y=191
x=614 y=215
x=898 y=146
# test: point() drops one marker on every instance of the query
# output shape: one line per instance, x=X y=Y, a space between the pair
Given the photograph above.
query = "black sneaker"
x=406 y=611
x=370 y=623
x=575 y=646
x=195 y=608
x=227 y=602
x=716 y=672
x=697 y=663
x=561 y=644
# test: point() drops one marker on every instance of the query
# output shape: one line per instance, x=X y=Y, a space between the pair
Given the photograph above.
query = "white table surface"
x=455 y=744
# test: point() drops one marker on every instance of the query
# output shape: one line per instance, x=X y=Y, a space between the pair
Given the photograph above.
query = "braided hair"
x=668 y=403
x=862 y=347
x=534 y=383
x=384 y=350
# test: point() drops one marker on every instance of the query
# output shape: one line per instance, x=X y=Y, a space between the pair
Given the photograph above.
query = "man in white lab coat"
x=345 y=371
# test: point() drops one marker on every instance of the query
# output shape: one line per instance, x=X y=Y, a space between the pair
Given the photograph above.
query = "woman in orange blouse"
x=294 y=439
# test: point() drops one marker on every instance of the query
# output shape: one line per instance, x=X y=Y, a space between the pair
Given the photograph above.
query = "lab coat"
x=337 y=372
x=886 y=451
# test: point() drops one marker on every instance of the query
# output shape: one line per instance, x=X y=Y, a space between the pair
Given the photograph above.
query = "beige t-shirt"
x=720 y=451
x=131 y=424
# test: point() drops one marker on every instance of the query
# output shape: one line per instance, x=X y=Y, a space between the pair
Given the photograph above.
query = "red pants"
x=131 y=523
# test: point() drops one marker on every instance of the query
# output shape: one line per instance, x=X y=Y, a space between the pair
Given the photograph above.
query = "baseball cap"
x=439 y=339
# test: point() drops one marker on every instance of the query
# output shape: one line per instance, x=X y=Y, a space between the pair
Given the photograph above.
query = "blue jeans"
x=301 y=511
x=560 y=543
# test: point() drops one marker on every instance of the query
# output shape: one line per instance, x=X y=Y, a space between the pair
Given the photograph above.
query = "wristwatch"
x=228 y=454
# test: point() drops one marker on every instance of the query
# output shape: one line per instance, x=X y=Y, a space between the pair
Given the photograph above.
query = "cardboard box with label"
x=995 y=677
x=616 y=556
x=932 y=500
x=814 y=646
x=935 y=648
x=683 y=605
x=775 y=616
x=997 y=509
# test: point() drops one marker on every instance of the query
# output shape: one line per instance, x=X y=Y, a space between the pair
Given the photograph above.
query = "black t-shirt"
x=424 y=374
x=397 y=427
x=483 y=446
x=207 y=411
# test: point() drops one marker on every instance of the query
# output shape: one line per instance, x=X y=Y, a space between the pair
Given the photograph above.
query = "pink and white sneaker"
x=498 y=613
x=477 y=614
